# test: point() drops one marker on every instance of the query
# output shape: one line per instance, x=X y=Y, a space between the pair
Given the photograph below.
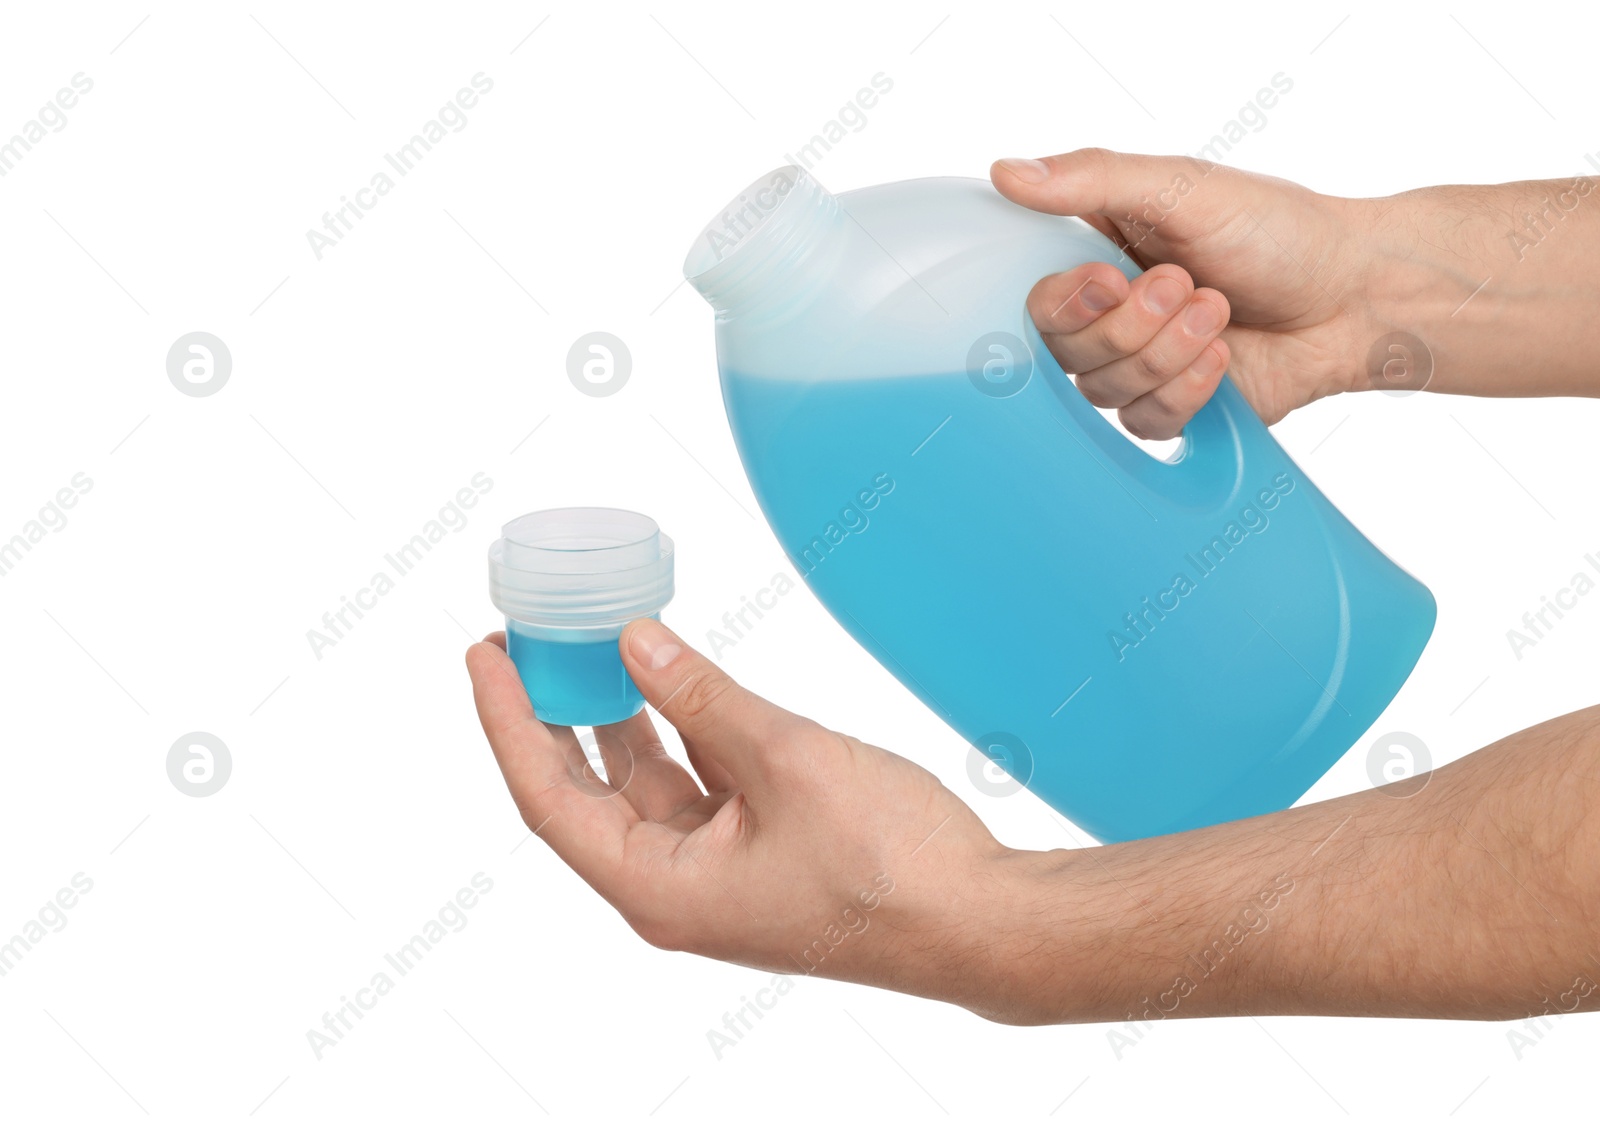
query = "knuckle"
x=1165 y=401
x=536 y=801
x=654 y=750
x=701 y=694
x=799 y=751
x=1097 y=391
x=1068 y=358
x=1123 y=337
x=1152 y=425
x=1152 y=365
x=1097 y=158
x=1167 y=412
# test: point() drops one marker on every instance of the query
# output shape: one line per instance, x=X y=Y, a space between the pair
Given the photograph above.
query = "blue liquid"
x=573 y=683
x=1149 y=646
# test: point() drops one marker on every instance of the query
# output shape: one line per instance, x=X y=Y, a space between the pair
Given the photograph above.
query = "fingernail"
x=1098 y=296
x=1026 y=168
x=1164 y=295
x=653 y=645
x=1201 y=318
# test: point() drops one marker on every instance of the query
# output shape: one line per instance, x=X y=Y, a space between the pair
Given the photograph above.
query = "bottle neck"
x=768 y=247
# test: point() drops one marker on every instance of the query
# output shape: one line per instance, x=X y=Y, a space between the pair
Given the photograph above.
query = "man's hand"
x=1471 y=895
x=1494 y=287
x=1288 y=260
x=806 y=851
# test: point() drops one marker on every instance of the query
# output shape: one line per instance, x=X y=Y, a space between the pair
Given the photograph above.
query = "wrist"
x=1136 y=932
x=1416 y=273
x=1038 y=943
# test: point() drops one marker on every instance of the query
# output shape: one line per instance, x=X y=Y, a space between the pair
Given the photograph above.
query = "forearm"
x=1474 y=898
x=1500 y=282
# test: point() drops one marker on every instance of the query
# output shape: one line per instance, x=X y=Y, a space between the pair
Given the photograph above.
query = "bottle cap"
x=580 y=567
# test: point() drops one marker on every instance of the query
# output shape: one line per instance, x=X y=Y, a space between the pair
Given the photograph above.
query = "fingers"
x=1083 y=338
x=639 y=766
x=1071 y=301
x=1163 y=412
x=720 y=722
x=1090 y=182
x=543 y=769
x=1162 y=357
x=1155 y=352
x=1160 y=333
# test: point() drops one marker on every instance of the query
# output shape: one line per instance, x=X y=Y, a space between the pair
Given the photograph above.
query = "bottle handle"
x=1209 y=462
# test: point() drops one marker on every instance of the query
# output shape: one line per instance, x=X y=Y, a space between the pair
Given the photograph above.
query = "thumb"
x=1132 y=191
x=717 y=718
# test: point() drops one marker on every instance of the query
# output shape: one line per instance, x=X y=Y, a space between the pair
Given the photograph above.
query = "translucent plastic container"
x=1149 y=645
x=568 y=581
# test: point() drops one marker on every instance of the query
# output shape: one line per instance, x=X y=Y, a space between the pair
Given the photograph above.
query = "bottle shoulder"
x=922 y=268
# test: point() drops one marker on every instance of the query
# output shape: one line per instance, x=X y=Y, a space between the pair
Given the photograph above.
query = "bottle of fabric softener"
x=1149 y=645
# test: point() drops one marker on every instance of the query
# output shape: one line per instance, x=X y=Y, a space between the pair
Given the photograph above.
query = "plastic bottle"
x=1149 y=645
x=568 y=581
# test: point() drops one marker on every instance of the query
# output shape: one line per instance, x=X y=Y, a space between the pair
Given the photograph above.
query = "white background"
x=369 y=386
